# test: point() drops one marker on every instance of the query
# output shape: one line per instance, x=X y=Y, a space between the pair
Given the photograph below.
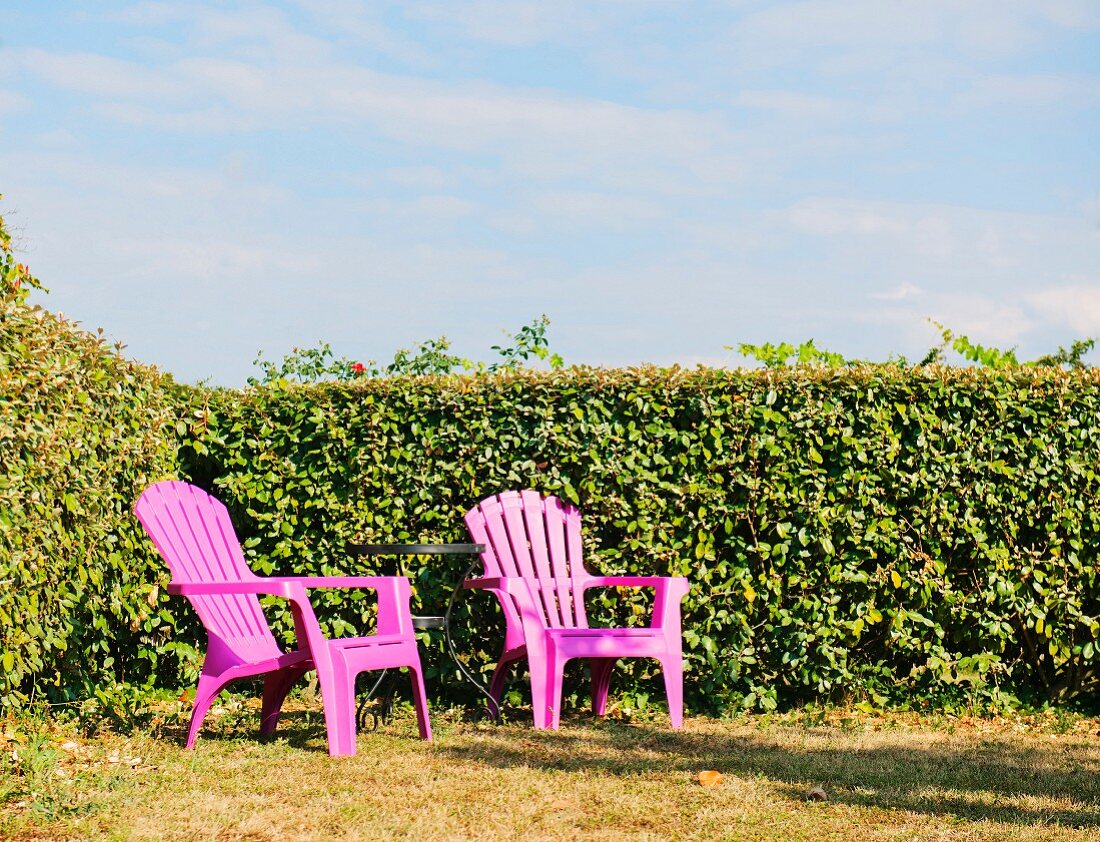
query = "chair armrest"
x=394 y=596
x=676 y=583
x=517 y=587
x=394 y=593
x=306 y=629
x=669 y=592
x=519 y=603
x=283 y=588
x=372 y=582
x=504 y=584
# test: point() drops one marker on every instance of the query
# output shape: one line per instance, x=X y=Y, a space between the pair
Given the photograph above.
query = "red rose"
x=358 y=368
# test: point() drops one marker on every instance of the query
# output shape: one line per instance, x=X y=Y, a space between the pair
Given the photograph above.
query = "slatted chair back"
x=538 y=539
x=193 y=532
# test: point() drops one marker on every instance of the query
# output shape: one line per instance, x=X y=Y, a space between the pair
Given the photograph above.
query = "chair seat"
x=369 y=640
x=297 y=658
x=607 y=643
x=598 y=632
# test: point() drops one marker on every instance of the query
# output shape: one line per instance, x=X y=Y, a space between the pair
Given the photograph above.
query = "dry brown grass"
x=893 y=777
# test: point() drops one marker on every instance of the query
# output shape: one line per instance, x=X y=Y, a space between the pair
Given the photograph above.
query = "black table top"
x=415 y=549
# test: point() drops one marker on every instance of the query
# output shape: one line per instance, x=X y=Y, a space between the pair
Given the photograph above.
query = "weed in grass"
x=32 y=778
x=1065 y=721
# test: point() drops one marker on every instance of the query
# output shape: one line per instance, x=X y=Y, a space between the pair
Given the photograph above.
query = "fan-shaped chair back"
x=193 y=532
x=536 y=538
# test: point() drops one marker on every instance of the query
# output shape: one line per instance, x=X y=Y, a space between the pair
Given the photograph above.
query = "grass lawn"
x=896 y=776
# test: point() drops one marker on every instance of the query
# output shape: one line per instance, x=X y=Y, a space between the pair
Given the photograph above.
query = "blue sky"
x=661 y=179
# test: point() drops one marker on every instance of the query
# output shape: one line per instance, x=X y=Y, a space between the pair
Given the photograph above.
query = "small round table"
x=424 y=622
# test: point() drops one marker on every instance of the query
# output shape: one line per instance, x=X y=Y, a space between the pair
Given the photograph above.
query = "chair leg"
x=555 y=677
x=673 y=668
x=601 y=683
x=276 y=686
x=500 y=679
x=338 y=699
x=420 y=700
x=541 y=700
x=546 y=680
x=205 y=692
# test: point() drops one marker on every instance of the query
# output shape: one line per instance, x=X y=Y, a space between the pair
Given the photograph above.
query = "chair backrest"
x=193 y=532
x=536 y=538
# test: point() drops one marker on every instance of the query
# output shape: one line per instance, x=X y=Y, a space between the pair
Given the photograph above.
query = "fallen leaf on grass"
x=135 y=763
x=711 y=778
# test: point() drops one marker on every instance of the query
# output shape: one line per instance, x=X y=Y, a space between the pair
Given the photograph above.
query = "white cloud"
x=514 y=223
x=514 y=23
x=91 y=73
x=539 y=133
x=1029 y=90
x=1076 y=307
x=998 y=27
x=589 y=209
x=165 y=253
x=11 y=102
x=253 y=30
x=985 y=320
x=444 y=206
x=419 y=176
x=827 y=218
x=890 y=62
x=58 y=139
x=791 y=103
x=978 y=245
x=199 y=121
x=361 y=24
x=901 y=292
x=150 y=13
x=161 y=257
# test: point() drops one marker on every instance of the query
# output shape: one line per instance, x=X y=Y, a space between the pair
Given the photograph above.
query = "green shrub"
x=899 y=534
x=893 y=533
x=82 y=431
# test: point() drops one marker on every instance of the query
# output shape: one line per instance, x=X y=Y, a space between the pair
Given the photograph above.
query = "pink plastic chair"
x=193 y=532
x=533 y=564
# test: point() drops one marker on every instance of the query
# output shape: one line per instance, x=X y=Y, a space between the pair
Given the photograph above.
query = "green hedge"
x=901 y=534
x=895 y=534
x=82 y=431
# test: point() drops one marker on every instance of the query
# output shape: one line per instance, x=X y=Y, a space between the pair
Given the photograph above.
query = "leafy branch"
x=16 y=280
x=433 y=356
x=786 y=355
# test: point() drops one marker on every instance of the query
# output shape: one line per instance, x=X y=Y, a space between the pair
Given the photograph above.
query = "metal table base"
x=381 y=692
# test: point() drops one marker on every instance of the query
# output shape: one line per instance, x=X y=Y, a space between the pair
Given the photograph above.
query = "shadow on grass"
x=980 y=778
x=990 y=778
x=303 y=730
